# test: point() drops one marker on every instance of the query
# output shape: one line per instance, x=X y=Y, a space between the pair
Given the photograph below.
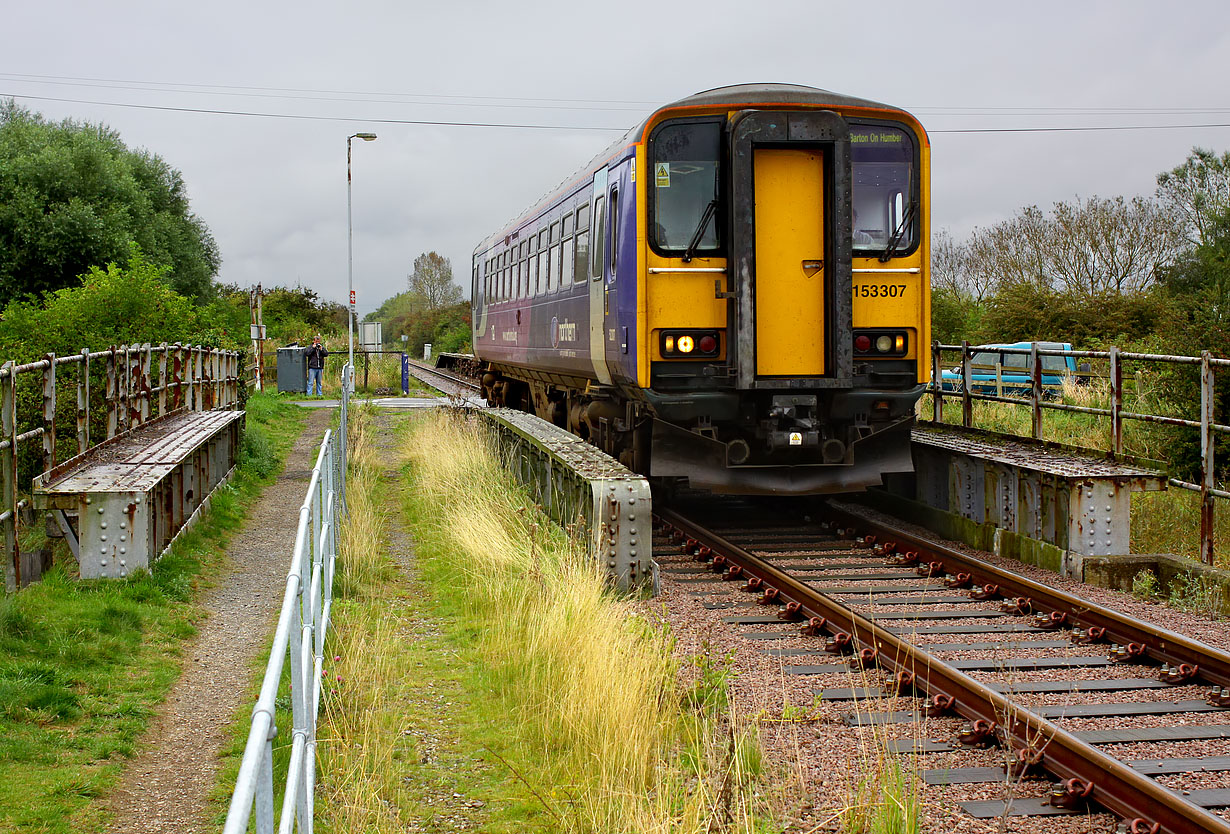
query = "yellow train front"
x=751 y=311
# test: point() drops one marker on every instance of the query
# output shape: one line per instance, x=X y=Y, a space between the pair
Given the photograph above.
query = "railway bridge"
x=156 y=429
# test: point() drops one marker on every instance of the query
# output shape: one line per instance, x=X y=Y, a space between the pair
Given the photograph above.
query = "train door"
x=789 y=254
x=790 y=251
x=599 y=289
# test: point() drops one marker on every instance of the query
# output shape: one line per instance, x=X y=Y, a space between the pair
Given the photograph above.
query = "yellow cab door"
x=789 y=294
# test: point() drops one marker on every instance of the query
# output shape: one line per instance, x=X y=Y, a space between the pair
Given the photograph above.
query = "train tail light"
x=881 y=343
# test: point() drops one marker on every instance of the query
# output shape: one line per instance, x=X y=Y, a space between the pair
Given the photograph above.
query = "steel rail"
x=1160 y=644
x=1113 y=785
x=417 y=368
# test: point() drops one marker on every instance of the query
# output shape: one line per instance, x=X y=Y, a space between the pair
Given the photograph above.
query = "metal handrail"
x=303 y=625
x=1033 y=395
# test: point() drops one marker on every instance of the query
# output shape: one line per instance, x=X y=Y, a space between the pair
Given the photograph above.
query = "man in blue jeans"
x=316 y=365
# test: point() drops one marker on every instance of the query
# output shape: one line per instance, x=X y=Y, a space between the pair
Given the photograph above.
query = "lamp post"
x=350 y=308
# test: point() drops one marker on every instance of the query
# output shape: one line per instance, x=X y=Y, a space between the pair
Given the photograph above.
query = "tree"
x=432 y=280
x=1088 y=248
x=953 y=269
x=74 y=197
x=114 y=305
x=1199 y=190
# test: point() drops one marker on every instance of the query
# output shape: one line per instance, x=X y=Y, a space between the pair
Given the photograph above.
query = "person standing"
x=316 y=366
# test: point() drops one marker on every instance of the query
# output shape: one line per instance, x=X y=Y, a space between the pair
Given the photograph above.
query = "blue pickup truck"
x=1015 y=369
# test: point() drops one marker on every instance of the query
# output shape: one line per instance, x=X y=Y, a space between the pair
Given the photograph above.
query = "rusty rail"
x=1131 y=795
x=1034 y=396
x=135 y=390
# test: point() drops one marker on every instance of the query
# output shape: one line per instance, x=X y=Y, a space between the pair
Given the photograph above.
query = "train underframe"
x=743 y=442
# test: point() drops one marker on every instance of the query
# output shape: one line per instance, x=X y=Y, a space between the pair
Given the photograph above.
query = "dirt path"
x=165 y=788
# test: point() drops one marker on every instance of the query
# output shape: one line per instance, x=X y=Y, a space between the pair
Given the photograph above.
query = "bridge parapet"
x=576 y=482
x=117 y=391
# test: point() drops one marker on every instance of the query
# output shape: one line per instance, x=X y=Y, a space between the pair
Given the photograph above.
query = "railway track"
x=452 y=384
x=932 y=633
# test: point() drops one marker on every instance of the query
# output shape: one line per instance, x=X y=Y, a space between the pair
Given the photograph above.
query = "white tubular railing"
x=302 y=627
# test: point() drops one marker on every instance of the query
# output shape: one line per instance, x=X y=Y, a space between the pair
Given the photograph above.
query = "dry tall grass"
x=590 y=684
x=360 y=730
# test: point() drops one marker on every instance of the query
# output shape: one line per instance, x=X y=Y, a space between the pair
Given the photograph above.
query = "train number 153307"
x=880 y=290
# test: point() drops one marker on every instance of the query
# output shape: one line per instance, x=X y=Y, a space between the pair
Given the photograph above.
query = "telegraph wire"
x=311 y=118
x=531 y=126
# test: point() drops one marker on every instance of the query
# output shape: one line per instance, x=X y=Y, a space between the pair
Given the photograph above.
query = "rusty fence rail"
x=104 y=393
x=303 y=624
x=1038 y=396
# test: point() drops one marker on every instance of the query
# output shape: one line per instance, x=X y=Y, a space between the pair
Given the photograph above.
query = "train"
x=734 y=296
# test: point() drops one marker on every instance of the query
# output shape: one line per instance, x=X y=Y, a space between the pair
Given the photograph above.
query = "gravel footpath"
x=810 y=741
x=166 y=787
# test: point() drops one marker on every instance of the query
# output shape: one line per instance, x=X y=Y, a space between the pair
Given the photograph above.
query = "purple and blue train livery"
x=735 y=293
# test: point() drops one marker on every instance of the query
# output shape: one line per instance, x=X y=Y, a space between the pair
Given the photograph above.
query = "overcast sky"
x=273 y=190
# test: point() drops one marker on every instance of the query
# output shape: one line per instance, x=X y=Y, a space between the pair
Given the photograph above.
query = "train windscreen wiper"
x=895 y=239
x=710 y=210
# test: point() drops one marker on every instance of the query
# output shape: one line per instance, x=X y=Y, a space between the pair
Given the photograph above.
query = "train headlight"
x=690 y=344
x=884 y=343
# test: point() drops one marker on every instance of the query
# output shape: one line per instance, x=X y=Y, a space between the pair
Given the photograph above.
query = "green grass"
x=84 y=664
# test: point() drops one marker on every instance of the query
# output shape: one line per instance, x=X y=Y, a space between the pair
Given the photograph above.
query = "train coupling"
x=791 y=422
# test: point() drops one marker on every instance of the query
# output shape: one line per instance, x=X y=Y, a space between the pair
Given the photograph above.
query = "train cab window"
x=686 y=180
x=884 y=195
x=595 y=251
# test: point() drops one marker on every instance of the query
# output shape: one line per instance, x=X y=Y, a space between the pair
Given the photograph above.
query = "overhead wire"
x=507 y=102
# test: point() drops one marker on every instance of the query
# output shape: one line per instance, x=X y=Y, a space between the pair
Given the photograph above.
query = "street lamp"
x=350 y=314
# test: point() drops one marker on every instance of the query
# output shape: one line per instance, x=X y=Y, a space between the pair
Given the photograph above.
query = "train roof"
x=730 y=96
x=772 y=93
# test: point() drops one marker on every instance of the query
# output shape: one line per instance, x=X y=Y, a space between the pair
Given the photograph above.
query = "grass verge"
x=516 y=692
x=84 y=664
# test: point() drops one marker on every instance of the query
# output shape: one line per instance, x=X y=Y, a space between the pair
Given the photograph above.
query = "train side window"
x=614 y=228
x=595 y=261
x=568 y=262
x=583 y=218
x=554 y=261
x=525 y=269
x=568 y=221
x=544 y=274
x=582 y=255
